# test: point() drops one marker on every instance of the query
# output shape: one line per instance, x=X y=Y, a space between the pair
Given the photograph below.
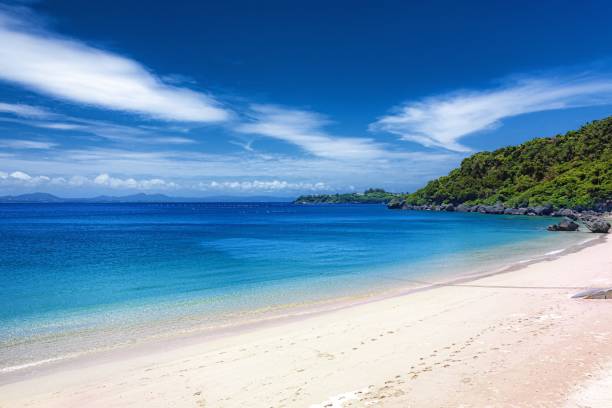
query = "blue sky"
x=281 y=98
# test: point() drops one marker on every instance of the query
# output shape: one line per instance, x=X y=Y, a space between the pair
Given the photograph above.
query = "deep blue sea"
x=81 y=277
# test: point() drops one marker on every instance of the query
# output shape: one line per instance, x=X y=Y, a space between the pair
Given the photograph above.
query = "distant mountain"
x=370 y=196
x=569 y=171
x=134 y=198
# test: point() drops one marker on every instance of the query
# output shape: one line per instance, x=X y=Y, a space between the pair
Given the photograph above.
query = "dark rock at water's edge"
x=395 y=204
x=602 y=294
x=543 y=210
x=567 y=213
x=516 y=211
x=591 y=219
x=565 y=225
x=596 y=224
x=594 y=294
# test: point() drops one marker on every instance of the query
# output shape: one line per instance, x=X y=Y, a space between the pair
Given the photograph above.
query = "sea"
x=78 y=279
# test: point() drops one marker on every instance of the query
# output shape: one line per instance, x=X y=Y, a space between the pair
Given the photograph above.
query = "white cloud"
x=304 y=129
x=103 y=129
x=71 y=70
x=27 y=111
x=22 y=179
x=19 y=175
x=188 y=168
x=263 y=185
x=441 y=121
x=26 y=144
x=131 y=183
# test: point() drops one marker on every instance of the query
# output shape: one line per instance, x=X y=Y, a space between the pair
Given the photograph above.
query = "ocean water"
x=77 y=278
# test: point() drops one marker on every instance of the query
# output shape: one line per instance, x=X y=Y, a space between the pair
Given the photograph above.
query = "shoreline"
x=201 y=345
x=288 y=313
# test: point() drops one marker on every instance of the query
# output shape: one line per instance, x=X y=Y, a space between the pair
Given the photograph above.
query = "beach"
x=516 y=338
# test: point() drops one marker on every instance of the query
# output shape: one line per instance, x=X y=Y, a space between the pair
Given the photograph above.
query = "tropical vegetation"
x=567 y=171
x=370 y=196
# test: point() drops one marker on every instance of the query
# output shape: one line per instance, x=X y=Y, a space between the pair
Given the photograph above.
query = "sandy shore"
x=515 y=339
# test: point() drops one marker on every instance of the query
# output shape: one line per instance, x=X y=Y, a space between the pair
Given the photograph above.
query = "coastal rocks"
x=604 y=206
x=567 y=213
x=594 y=294
x=591 y=219
x=395 y=204
x=447 y=207
x=462 y=208
x=515 y=211
x=600 y=294
x=596 y=224
x=565 y=225
x=541 y=210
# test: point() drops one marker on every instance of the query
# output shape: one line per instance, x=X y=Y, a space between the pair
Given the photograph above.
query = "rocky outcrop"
x=447 y=207
x=596 y=293
x=565 y=225
x=516 y=211
x=600 y=294
x=567 y=213
x=596 y=224
x=589 y=217
x=395 y=204
x=541 y=210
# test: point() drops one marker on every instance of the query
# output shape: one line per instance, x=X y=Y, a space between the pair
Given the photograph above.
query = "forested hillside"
x=572 y=170
x=370 y=196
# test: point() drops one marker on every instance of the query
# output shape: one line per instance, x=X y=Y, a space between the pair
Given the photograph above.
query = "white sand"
x=515 y=339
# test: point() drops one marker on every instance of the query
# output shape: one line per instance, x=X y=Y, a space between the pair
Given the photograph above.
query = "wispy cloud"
x=306 y=130
x=106 y=130
x=27 y=111
x=26 y=144
x=441 y=121
x=72 y=70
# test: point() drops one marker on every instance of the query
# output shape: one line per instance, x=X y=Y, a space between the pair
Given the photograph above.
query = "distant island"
x=571 y=171
x=133 y=198
x=370 y=196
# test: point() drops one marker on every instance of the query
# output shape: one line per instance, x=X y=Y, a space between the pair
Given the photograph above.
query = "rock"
x=542 y=210
x=567 y=213
x=462 y=208
x=604 y=206
x=498 y=209
x=447 y=207
x=515 y=211
x=596 y=224
x=597 y=293
x=565 y=225
x=600 y=294
x=395 y=204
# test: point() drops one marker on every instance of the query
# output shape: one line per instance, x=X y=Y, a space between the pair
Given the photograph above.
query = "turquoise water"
x=72 y=272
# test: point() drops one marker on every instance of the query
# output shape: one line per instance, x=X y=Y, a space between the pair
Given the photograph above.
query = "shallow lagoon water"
x=82 y=277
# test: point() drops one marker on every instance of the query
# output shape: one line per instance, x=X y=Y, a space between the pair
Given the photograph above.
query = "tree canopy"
x=571 y=170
